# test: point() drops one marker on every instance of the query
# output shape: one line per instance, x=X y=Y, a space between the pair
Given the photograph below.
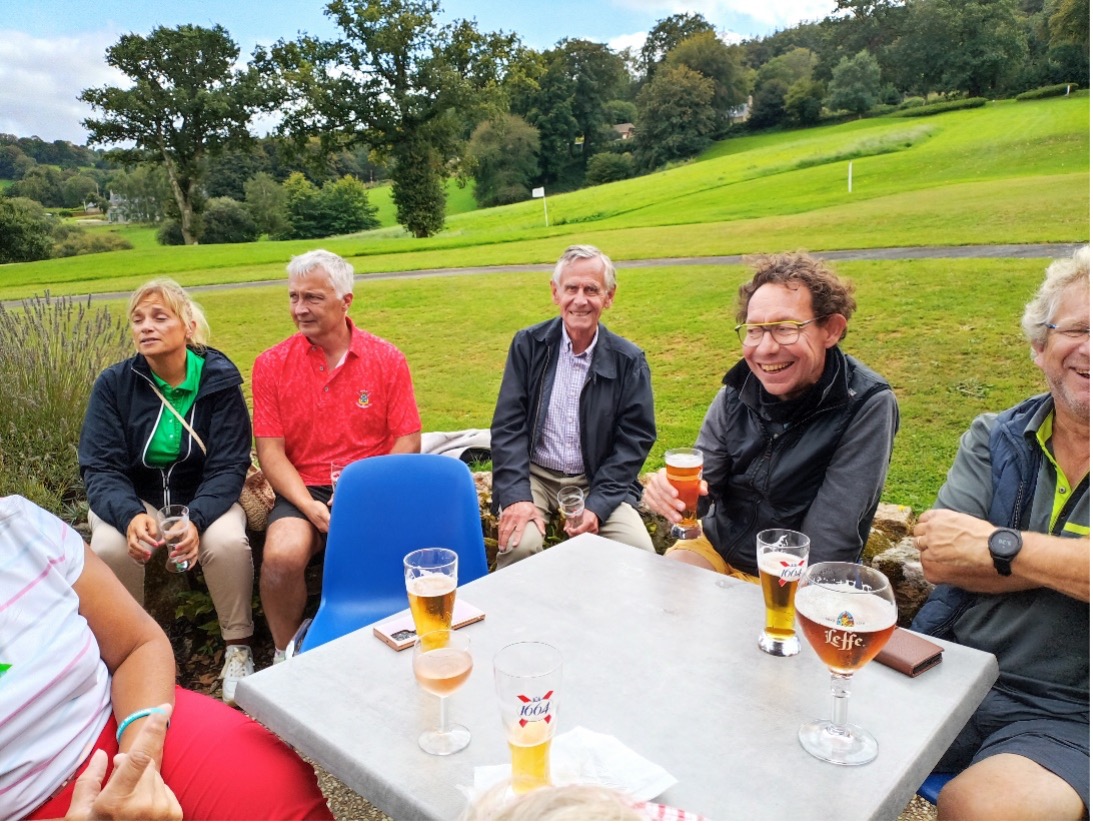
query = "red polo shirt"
x=355 y=411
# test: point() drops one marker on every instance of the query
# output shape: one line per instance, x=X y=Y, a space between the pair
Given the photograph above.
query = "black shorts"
x=283 y=508
x=1005 y=723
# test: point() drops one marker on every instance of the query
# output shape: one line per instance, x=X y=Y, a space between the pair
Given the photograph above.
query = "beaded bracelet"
x=138 y=714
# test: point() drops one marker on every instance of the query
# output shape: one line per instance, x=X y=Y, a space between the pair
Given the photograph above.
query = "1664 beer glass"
x=442 y=663
x=781 y=556
x=528 y=676
x=431 y=576
x=847 y=612
x=684 y=467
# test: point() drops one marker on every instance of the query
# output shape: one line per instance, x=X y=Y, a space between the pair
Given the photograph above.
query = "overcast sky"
x=52 y=49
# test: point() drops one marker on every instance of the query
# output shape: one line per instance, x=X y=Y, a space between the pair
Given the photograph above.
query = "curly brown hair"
x=831 y=295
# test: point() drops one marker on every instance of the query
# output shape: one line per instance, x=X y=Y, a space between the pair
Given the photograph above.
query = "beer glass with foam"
x=528 y=676
x=847 y=612
x=431 y=576
x=781 y=556
x=173 y=521
x=442 y=663
x=684 y=468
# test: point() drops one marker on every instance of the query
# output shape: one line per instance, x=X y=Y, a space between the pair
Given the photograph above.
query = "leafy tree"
x=609 y=166
x=228 y=221
x=140 y=195
x=666 y=35
x=855 y=84
x=598 y=75
x=706 y=54
x=970 y=46
x=78 y=189
x=187 y=102
x=503 y=157
x=768 y=104
x=346 y=207
x=267 y=203
x=804 y=102
x=398 y=82
x=9 y=156
x=675 y=117
x=789 y=67
x=41 y=183
x=1069 y=23
x=547 y=104
x=338 y=208
x=620 y=111
x=26 y=231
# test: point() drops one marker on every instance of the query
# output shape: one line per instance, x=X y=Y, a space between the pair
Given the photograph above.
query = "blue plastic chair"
x=385 y=507
x=932 y=786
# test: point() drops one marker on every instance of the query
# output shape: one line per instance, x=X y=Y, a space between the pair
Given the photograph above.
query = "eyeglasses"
x=783 y=332
x=1073 y=333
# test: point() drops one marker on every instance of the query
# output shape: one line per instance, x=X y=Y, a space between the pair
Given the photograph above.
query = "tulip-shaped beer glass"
x=847 y=612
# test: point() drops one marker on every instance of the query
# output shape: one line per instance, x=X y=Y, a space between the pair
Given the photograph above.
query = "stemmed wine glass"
x=442 y=663
x=847 y=612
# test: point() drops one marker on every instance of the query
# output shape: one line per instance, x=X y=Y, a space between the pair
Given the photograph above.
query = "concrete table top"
x=658 y=654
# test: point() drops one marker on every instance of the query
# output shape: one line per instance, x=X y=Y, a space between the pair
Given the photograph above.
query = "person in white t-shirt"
x=86 y=675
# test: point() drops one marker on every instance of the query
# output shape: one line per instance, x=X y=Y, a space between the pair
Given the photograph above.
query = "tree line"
x=399 y=94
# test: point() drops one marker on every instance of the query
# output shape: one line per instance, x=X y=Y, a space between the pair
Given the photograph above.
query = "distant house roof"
x=624 y=130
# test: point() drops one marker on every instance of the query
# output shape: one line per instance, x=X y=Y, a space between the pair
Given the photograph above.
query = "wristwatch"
x=1004 y=545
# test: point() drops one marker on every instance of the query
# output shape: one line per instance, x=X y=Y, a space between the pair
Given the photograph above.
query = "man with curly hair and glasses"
x=799 y=436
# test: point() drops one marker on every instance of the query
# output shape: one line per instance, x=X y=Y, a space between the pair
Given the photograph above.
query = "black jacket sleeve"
x=104 y=457
x=510 y=440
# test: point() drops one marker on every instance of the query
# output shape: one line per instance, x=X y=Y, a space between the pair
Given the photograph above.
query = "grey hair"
x=585 y=252
x=1061 y=274
x=337 y=269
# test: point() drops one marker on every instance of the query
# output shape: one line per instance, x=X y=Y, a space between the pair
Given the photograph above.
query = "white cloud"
x=41 y=79
x=729 y=14
x=627 y=41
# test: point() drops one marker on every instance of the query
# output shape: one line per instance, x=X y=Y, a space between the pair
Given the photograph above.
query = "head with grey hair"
x=337 y=269
x=1045 y=305
x=585 y=252
x=1056 y=322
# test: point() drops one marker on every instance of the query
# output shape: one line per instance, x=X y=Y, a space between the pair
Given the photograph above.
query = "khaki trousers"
x=623 y=525
x=224 y=554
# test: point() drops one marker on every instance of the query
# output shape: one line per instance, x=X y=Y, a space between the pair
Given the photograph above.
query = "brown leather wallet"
x=910 y=653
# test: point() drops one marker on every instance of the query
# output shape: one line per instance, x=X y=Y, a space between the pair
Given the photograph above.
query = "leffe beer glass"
x=684 y=467
x=431 y=577
x=847 y=613
x=781 y=556
x=442 y=663
x=528 y=676
x=173 y=521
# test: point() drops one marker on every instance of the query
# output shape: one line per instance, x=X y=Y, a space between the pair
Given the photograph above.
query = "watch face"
x=1005 y=543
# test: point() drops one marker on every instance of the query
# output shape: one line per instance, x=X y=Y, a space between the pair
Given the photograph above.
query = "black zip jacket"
x=815 y=464
x=121 y=417
x=616 y=417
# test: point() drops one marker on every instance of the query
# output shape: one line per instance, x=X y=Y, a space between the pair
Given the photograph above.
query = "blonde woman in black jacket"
x=137 y=455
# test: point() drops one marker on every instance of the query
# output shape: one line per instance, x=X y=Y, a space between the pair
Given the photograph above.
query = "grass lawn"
x=944 y=332
x=950 y=347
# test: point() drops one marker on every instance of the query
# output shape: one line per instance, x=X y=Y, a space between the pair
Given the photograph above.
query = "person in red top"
x=330 y=394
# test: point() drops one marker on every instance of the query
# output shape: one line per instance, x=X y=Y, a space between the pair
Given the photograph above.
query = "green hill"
x=1007 y=173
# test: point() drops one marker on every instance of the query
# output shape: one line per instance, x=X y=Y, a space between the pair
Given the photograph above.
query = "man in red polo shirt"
x=332 y=393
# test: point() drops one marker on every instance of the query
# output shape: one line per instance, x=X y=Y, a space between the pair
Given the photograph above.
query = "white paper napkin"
x=581 y=756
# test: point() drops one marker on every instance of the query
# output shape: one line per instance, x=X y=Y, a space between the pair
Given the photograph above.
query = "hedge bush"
x=1047 y=91
x=944 y=106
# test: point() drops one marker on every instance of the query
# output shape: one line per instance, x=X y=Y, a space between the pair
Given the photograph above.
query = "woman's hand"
x=186 y=547
x=142 y=536
x=136 y=790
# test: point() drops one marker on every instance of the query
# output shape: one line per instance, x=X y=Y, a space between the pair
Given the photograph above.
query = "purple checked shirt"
x=559 y=445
